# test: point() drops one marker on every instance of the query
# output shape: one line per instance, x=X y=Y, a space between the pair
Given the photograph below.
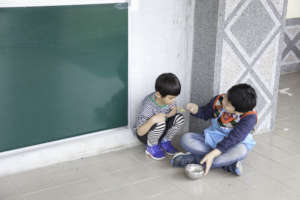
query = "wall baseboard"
x=74 y=148
x=33 y=3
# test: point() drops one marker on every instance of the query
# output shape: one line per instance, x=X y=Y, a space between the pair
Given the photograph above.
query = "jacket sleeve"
x=238 y=133
x=206 y=112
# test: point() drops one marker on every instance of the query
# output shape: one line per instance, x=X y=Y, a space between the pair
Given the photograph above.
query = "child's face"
x=169 y=99
x=227 y=105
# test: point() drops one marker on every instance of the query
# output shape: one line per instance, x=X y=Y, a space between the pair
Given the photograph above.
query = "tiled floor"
x=272 y=170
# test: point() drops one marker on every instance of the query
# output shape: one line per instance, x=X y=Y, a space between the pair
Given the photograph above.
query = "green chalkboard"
x=63 y=72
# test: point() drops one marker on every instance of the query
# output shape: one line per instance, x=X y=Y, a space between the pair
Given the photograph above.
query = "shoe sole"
x=239 y=168
x=178 y=154
x=181 y=153
x=150 y=156
x=170 y=154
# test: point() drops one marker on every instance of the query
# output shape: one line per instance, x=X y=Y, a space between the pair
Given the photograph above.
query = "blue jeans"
x=195 y=143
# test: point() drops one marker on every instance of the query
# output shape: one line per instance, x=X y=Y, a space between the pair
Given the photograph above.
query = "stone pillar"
x=246 y=45
x=291 y=47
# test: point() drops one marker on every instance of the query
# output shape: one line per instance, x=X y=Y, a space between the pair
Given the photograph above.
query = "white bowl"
x=194 y=171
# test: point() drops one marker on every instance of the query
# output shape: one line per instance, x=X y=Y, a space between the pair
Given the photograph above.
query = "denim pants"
x=195 y=143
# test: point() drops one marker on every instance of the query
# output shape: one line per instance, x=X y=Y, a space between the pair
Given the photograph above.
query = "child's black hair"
x=167 y=84
x=242 y=97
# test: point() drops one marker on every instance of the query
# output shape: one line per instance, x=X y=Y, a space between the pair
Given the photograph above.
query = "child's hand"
x=172 y=112
x=180 y=109
x=193 y=108
x=209 y=158
x=158 y=118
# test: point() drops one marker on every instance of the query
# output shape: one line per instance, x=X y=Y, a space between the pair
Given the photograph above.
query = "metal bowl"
x=194 y=171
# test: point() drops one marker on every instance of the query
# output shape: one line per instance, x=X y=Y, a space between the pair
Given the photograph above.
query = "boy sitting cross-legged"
x=228 y=139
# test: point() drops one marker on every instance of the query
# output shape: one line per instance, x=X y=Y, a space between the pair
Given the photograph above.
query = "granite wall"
x=291 y=46
x=247 y=50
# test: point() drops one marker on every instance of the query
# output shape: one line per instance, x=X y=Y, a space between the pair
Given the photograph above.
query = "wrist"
x=152 y=121
x=196 y=110
x=216 y=152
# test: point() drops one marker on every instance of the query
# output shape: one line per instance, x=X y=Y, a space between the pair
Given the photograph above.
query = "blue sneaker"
x=168 y=147
x=235 y=168
x=155 y=152
x=182 y=159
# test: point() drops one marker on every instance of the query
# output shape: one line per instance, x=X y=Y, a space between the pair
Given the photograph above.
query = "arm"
x=238 y=133
x=143 y=122
x=205 y=112
x=209 y=158
x=144 y=128
x=172 y=112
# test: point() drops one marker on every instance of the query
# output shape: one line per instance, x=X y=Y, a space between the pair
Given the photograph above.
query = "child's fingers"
x=207 y=164
x=189 y=107
x=192 y=107
x=207 y=168
x=203 y=160
x=180 y=109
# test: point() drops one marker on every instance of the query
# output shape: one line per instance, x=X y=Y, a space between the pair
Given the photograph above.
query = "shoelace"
x=229 y=168
x=185 y=161
x=156 y=148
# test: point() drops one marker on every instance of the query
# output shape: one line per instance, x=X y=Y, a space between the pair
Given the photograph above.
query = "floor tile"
x=271 y=170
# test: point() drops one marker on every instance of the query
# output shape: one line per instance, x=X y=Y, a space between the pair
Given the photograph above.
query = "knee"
x=179 y=119
x=185 y=138
x=179 y=115
x=240 y=151
x=192 y=142
x=244 y=152
x=160 y=125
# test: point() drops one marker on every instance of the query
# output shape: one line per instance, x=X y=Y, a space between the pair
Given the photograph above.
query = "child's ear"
x=157 y=94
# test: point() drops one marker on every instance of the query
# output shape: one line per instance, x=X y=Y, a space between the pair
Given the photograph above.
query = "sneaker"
x=155 y=152
x=235 y=168
x=182 y=159
x=168 y=147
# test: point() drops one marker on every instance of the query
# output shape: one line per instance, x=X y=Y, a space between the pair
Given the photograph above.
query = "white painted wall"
x=160 y=40
x=31 y=3
x=293 y=9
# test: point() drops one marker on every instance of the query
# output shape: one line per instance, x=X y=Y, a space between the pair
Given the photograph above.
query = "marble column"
x=291 y=47
x=237 y=41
